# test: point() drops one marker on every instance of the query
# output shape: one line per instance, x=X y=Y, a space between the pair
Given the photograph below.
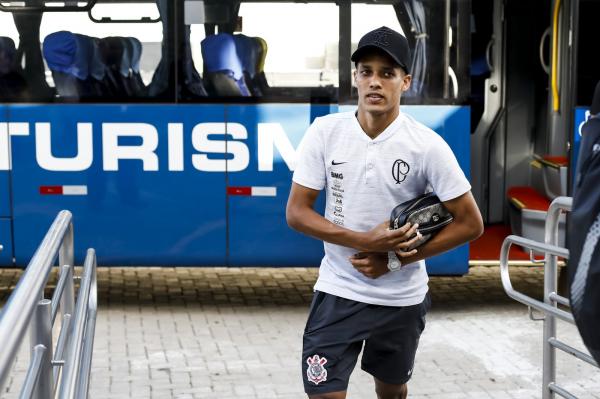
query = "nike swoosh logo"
x=337 y=163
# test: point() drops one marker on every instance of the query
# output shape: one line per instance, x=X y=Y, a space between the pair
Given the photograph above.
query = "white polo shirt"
x=364 y=180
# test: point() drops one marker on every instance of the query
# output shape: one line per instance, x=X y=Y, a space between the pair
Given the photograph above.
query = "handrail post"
x=73 y=361
x=549 y=353
x=82 y=388
x=66 y=257
x=41 y=334
x=550 y=287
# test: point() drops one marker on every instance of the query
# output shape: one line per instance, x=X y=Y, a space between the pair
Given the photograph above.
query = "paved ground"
x=236 y=333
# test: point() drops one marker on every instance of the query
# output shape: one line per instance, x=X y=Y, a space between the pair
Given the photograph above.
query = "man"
x=370 y=290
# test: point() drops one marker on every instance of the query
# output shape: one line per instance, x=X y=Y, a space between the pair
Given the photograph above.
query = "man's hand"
x=371 y=264
x=374 y=264
x=382 y=239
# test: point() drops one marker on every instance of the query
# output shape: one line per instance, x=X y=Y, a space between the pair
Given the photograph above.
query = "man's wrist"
x=356 y=239
x=394 y=263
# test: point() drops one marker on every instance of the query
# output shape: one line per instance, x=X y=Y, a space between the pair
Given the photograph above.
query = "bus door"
x=5 y=208
x=257 y=194
x=137 y=179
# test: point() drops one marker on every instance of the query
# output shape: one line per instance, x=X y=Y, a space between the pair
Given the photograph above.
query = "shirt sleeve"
x=310 y=167
x=443 y=171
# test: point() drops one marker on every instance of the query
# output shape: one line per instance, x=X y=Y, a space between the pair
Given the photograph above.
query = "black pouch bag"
x=427 y=210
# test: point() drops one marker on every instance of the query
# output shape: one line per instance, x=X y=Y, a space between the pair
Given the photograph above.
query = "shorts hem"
x=315 y=391
x=399 y=381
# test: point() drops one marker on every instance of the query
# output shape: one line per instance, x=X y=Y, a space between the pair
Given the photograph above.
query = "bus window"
x=7 y=27
x=296 y=60
x=276 y=62
x=102 y=61
x=13 y=86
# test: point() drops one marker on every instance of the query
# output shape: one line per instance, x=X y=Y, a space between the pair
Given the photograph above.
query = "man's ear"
x=406 y=82
x=354 y=72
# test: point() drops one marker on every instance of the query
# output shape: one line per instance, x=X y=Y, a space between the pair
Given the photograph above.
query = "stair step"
x=524 y=197
x=555 y=161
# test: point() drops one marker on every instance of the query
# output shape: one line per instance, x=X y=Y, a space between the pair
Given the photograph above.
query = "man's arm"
x=467 y=226
x=302 y=217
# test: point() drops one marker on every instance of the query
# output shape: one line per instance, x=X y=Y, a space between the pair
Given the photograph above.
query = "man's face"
x=380 y=83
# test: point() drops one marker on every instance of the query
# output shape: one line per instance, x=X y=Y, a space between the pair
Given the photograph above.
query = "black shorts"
x=336 y=330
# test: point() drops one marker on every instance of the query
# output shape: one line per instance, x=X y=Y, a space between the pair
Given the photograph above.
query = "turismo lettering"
x=271 y=136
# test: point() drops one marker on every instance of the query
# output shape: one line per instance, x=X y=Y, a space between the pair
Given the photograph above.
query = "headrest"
x=219 y=54
x=248 y=51
x=262 y=53
x=69 y=53
x=126 y=59
x=113 y=52
x=596 y=100
x=97 y=66
x=136 y=45
x=7 y=55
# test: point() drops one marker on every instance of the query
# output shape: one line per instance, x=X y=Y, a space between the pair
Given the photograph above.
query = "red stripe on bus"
x=51 y=190
x=239 y=190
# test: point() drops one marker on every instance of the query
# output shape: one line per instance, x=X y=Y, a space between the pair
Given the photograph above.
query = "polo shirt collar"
x=386 y=134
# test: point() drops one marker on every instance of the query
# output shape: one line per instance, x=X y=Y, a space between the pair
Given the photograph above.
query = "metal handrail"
x=81 y=341
x=44 y=378
x=17 y=312
x=551 y=298
x=505 y=275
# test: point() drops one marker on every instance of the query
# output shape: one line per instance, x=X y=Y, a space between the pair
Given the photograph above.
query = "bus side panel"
x=4 y=194
x=6 y=255
x=258 y=232
x=5 y=213
x=453 y=124
x=146 y=212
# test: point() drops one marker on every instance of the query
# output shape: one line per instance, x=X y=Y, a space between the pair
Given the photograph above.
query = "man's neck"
x=374 y=124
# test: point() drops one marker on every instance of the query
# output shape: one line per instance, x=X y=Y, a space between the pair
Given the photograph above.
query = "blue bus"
x=170 y=128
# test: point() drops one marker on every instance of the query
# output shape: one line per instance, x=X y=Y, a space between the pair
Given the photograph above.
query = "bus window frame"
x=43 y=8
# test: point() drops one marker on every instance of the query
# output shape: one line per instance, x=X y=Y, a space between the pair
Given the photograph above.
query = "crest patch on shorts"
x=316 y=371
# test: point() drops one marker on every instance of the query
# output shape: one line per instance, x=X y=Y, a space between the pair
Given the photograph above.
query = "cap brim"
x=358 y=54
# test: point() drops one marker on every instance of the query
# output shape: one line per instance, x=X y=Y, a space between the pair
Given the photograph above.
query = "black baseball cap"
x=387 y=40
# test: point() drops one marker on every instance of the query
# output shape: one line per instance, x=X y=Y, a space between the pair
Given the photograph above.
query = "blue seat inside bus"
x=260 y=80
x=75 y=64
x=248 y=50
x=12 y=83
x=223 y=74
x=137 y=84
x=117 y=57
x=85 y=67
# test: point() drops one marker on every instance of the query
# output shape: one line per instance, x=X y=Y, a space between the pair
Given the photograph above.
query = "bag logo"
x=399 y=170
x=315 y=371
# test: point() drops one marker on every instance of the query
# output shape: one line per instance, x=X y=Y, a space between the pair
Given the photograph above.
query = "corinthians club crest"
x=315 y=371
x=399 y=170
